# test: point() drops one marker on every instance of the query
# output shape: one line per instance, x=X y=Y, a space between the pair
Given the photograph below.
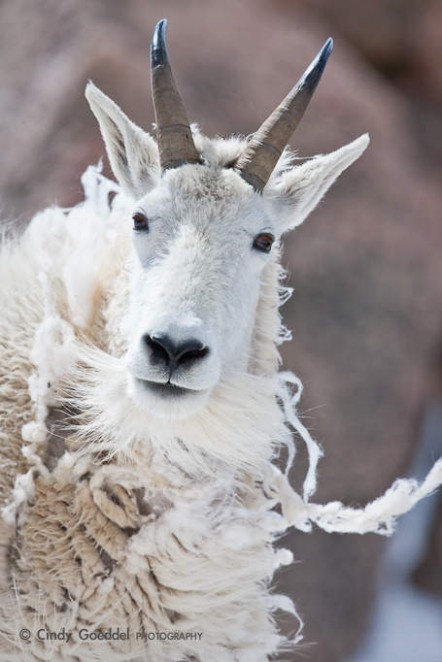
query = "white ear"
x=296 y=192
x=133 y=154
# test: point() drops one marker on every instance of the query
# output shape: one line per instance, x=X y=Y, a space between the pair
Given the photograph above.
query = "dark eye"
x=263 y=242
x=141 y=223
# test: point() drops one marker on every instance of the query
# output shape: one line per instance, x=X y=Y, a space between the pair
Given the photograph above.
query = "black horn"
x=175 y=142
x=259 y=159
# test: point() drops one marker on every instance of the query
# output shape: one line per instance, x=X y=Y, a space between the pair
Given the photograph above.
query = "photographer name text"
x=108 y=634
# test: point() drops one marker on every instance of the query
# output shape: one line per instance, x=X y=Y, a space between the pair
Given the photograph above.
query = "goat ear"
x=296 y=192
x=133 y=154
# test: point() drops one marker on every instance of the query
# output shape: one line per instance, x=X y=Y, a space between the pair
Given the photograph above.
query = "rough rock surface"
x=366 y=268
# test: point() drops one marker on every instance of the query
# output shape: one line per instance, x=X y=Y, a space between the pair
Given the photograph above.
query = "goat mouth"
x=165 y=389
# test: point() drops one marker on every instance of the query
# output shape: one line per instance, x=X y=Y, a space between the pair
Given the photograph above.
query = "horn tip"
x=322 y=58
x=158 y=49
x=314 y=72
x=328 y=46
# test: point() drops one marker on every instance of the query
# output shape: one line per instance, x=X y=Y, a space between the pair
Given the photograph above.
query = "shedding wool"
x=119 y=522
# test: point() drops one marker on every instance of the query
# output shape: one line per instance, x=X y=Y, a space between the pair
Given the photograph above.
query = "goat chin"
x=166 y=401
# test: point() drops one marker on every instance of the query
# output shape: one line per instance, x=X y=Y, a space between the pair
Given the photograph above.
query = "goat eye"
x=140 y=222
x=263 y=242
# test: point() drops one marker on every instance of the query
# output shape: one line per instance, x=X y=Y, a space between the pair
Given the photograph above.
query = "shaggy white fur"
x=116 y=519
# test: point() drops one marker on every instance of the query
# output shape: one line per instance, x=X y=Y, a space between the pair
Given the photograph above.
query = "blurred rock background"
x=367 y=266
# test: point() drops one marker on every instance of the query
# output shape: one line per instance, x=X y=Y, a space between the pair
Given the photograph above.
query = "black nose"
x=165 y=352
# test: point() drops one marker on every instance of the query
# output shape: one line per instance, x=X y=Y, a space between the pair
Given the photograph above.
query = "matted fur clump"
x=113 y=519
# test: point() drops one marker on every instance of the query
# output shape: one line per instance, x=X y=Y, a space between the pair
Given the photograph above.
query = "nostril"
x=191 y=351
x=161 y=348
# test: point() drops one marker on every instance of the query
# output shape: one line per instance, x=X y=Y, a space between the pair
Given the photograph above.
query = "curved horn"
x=174 y=136
x=259 y=159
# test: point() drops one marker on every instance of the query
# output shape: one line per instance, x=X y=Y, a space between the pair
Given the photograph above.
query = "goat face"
x=205 y=216
x=202 y=237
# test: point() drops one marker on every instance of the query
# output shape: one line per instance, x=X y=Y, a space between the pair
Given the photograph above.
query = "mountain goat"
x=142 y=408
